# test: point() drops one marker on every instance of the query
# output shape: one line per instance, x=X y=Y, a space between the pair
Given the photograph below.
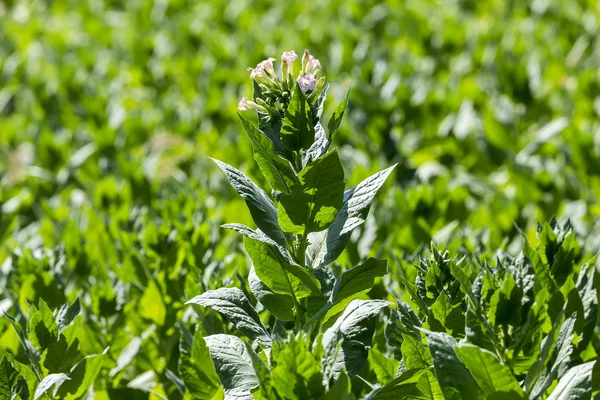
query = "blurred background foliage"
x=109 y=109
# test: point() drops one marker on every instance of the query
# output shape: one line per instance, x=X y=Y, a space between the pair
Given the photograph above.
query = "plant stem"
x=298 y=309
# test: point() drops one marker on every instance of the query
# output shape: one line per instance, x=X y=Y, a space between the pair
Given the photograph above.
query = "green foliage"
x=110 y=210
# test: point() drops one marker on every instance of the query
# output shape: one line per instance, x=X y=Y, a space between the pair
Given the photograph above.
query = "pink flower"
x=307 y=82
x=245 y=105
x=267 y=65
x=259 y=74
x=289 y=56
x=287 y=61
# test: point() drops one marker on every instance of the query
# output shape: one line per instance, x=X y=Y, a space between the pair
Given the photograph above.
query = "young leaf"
x=61 y=356
x=297 y=372
x=233 y=304
x=325 y=247
x=233 y=363
x=576 y=384
x=276 y=170
x=196 y=368
x=491 y=376
x=353 y=283
x=338 y=114
x=46 y=384
x=454 y=378
x=260 y=205
x=316 y=199
x=297 y=132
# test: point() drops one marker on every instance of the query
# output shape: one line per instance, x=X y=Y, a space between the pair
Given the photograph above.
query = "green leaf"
x=196 y=368
x=416 y=355
x=61 y=356
x=82 y=377
x=297 y=132
x=281 y=306
x=453 y=377
x=41 y=327
x=406 y=386
x=325 y=247
x=26 y=389
x=67 y=314
x=450 y=316
x=353 y=332
x=316 y=199
x=260 y=205
x=338 y=114
x=576 y=384
x=151 y=305
x=491 y=375
x=233 y=363
x=318 y=148
x=505 y=302
x=46 y=384
x=276 y=170
x=277 y=273
x=233 y=304
x=297 y=372
x=385 y=368
x=353 y=283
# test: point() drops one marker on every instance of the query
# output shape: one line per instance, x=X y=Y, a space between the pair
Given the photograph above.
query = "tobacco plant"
x=322 y=326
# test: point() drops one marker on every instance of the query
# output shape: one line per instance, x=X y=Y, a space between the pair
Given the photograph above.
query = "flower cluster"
x=274 y=91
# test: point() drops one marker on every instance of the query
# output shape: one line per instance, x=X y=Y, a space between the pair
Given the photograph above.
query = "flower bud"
x=245 y=105
x=320 y=84
x=287 y=61
x=305 y=60
x=307 y=82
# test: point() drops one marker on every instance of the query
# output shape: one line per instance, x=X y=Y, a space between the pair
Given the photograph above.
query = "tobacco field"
x=193 y=206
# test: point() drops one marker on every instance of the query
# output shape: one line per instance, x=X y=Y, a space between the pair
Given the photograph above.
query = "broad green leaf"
x=353 y=333
x=576 y=384
x=278 y=274
x=416 y=355
x=82 y=377
x=318 y=148
x=233 y=304
x=450 y=316
x=41 y=327
x=30 y=378
x=297 y=372
x=48 y=382
x=316 y=199
x=152 y=305
x=61 y=356
x=233 y=363
x=504 y=302
x=276 y=170
x=340 y=390
x=297 y=132
x=453 y=377
x=338 y=114
x=353 y=283
x=385 y=368
x=281 y=306
x=403 y=387
x=196 y=368
x=325 y=247
x=260 y=205
x=490 y=374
